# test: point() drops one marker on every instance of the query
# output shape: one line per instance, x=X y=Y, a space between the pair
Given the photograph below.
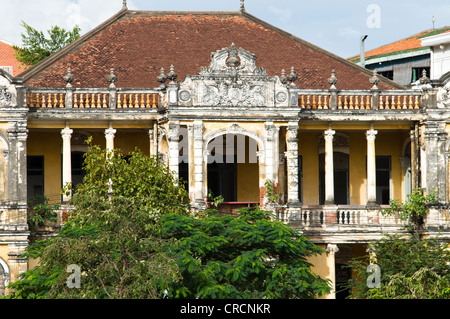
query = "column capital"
x=371 y=134
x=110 y=133
x=329 y=135
x=332 y=249
x=66 y=133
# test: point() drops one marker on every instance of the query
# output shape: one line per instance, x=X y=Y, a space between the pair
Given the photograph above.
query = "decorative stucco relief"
x=7 y=91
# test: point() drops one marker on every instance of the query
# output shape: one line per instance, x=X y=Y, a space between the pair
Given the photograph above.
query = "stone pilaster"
x=292 y=164
x=199 y=166
x=174 y=156
x=17 y=165
x=435 y=140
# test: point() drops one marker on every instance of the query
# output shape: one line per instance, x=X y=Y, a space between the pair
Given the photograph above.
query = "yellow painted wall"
x=48 y=144
x=308 y=149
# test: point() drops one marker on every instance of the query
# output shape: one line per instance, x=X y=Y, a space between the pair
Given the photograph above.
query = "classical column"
x=198 y=164
x=329 y=166
x=371 y=167
x=331 y=250
x=66 y=135
x=292 y=164
x=110 y=133
x=174 y=156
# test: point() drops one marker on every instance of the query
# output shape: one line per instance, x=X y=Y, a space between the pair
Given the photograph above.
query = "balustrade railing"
x=93 y=99
x=359 y=100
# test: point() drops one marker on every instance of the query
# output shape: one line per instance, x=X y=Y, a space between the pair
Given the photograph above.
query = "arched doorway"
x=233 y=169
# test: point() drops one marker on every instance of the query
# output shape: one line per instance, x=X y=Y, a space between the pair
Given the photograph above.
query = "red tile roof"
x=409 y=44
x=7 y=58
x=138 y=43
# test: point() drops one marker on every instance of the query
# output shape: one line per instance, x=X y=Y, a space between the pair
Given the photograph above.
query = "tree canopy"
x=132 y=235
x=36 y=46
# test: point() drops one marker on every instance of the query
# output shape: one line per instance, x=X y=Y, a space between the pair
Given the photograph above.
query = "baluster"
x=119 y=101
x=38 y=102
x=368 y=106
x=142 y=101
x=319 y=105
x=399 y=105
x=82 y=100
x=125 y=102
x=314 y=106
x=325 y=102
x=155 y=100
x=136 y=101
x=357 y=102
x=61 y=101
x=49 y=100
x=340 y=103
x=417 y=104
x=308 y=102
x=302 y=103
x=44 y=100
x=404 y=103
x=75 y=100
x=87 y=101
x=345 y=103
x=351 y=103
x=410 y=104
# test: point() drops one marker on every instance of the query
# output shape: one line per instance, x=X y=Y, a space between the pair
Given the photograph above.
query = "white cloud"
x=44 y=14
x=348 y=33
x=284 y=15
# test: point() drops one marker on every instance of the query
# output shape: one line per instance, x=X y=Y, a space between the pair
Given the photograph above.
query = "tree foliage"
x=36 y=46
x=245 y=256
x=112 y=234
x=411 y=268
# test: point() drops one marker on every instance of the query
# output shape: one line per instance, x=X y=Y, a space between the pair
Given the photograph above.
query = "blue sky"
x=336 y=26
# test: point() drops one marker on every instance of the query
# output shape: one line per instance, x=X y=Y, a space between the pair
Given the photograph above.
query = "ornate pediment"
x=233 y=80
x=8 y=91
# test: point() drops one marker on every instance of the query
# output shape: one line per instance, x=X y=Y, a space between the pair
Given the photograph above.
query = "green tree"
x=245 y=256
x=112 y=234
x=414 y=210
x=36 y=46
x=411 y=268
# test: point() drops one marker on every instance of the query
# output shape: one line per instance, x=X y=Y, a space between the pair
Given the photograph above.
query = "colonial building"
x=231 y=104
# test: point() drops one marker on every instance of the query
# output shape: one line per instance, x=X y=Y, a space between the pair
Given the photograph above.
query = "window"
x=77 y=168
x=383 y=176
x=387 y=74
x=417 y=73
x=35 y=176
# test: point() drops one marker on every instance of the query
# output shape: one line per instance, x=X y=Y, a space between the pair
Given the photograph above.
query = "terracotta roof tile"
x=138 y=43
x=409 y=44
x=7 y=58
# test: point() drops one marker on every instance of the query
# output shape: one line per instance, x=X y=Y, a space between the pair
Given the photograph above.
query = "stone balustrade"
x=94 y=98
x=359 y=100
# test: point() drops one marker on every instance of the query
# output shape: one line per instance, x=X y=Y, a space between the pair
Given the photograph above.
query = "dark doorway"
x=341 y=178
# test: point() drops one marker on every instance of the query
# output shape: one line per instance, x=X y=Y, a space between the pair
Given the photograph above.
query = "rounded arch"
x=234 y=130
x=4 y=276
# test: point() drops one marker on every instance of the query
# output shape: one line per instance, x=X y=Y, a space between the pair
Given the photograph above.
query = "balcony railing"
x=319 y=217
x=64 y=98
x=359 y=100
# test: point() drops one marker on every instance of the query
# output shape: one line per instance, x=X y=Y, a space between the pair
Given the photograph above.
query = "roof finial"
x=124 y=6
x=242 y=5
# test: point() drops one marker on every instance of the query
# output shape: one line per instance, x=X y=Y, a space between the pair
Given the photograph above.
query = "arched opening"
x=233 y=170
x=4 y=277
